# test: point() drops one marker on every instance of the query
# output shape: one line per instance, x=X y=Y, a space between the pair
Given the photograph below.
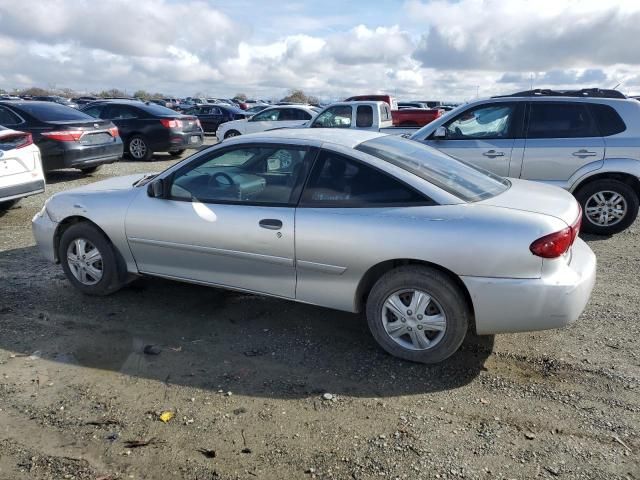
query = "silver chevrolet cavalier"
x=426 y=245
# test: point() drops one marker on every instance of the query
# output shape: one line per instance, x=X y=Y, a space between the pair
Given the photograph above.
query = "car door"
x=561 y=138
x=484 y=135
x=224 y=220
x=265 y=120
x=335 y=219
x=214 y=118
x=292 y=117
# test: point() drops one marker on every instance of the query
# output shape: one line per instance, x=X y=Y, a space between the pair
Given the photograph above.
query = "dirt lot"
x=246 y=377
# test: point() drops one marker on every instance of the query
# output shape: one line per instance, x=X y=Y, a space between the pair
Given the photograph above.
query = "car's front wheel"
x=138 y=148
x=608 y=206
x=89 y=260
x=231 y=134
x=418 y=314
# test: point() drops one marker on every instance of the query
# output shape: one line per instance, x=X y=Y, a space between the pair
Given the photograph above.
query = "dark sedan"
x=146 y=127
x=211 y=116
x=66 y=137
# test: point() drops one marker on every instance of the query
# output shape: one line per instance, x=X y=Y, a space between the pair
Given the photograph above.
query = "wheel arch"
x=627 y=178
x=372 y=275
x=64 y=225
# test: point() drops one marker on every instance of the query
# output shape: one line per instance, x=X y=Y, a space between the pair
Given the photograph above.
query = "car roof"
x=345 y=137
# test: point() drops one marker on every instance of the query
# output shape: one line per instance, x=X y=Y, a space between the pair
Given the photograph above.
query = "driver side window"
x=485 y=122
x=266 y=116
x=261 y=175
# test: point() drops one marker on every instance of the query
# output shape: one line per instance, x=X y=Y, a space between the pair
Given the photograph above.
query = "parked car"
x=66 y=137
x=147 y=128
x=21 y=171
x=428 y=246
x=9 y=97
x=80 y=101
x=268 y=119
x=360 y=115
x=56 y=99
x=212 y=116
x=414 y=117
x=585 y=141
x=171 y=102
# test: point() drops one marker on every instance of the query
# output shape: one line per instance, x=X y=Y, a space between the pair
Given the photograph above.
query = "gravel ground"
x=263 y=388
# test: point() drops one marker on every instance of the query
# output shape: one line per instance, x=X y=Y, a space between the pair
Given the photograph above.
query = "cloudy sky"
x=416 y=49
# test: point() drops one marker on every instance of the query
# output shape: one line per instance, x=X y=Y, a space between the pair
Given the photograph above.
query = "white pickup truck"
x=363 y=115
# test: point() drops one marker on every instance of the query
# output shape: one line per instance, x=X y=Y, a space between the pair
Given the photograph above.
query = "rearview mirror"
x=156 y=189
x=441 y=132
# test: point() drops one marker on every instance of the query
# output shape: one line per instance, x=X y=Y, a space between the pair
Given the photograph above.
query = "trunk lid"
x=539 y=198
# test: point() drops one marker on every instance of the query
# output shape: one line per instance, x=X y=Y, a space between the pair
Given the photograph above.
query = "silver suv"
x=585 y=141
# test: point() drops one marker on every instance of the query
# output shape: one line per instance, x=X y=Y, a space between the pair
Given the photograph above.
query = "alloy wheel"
x=606 y=208
x=413 y=319
x=85 y=261
x=137 y=148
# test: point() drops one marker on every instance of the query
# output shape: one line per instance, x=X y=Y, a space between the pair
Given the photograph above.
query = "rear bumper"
x=20 y=190
x=183 y=140
x=555 y=300
x=57 y=155
x=44 y=230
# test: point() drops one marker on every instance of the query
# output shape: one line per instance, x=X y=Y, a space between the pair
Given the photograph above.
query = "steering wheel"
x=216 y=178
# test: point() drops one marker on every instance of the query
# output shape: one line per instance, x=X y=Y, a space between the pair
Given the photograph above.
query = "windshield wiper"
x=144 y=179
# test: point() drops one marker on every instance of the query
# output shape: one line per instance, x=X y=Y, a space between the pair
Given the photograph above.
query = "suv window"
x=252 y=175
x=484 y=122
x=608 y=120
x=338 y=181
x=334 y=117
x=7 y=117
x=364 y=116
x=560 y=120
x=93 y=111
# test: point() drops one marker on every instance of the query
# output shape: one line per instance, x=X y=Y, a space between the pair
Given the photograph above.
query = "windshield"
x=49 y=111
x=461 y=179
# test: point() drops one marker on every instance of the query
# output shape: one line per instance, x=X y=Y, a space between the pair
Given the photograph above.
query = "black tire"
x=450 y=301
x=135 y=153
x=112 y=270
x=630 y=196
x=8 y=204
x=231 y=134
x=93 y=169
x=177 y=153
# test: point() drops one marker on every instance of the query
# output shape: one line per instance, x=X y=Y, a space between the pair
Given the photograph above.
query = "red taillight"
x=113 y=131
x=557 y=244
x=171 y=123
x=64 y=135
x=17 y=141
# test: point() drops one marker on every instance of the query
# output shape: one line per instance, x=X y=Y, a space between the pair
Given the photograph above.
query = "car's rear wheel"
x=608 y=206
x=418 y=314
x=177 y=153
x=231 y=133
x=89 y=260
x=6 y=205
x=138 y=148
x=93 y=169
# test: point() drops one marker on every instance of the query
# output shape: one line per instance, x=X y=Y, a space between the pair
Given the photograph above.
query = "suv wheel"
x=89 y=260
x=138 y=149
x=608 y=206
x=417 y=314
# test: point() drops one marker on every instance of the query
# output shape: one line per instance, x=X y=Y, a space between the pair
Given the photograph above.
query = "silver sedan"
x=426 y=245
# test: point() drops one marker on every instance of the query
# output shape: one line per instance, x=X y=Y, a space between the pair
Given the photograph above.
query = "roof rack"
x=585 y=92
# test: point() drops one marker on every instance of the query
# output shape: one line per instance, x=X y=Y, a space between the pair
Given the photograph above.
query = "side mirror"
x=440 y=133
x=156 y=188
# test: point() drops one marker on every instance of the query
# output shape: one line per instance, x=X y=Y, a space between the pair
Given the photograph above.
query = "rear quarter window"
x=607 y=119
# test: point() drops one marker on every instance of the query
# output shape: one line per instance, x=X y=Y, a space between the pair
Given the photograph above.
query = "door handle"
x=493 y=154
x=584 y=153
x=270 y=224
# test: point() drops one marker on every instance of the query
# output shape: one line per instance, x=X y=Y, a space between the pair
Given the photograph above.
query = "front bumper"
x=44 y=230
x=503 y=305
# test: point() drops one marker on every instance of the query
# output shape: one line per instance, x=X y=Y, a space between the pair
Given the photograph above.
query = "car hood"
x=538 y=198
x=115 y=183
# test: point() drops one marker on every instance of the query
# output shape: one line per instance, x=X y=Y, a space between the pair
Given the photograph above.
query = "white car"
x=21 y=172
x=280 y=116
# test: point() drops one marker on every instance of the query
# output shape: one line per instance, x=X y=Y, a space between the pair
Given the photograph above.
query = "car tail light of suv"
x=20 y=140
x=558 y=243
